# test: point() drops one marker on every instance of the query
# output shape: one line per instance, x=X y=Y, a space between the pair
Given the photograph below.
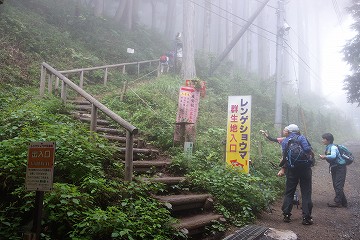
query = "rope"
x=147 y=104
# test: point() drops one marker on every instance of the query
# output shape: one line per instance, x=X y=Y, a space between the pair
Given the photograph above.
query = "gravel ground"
x=329 y=223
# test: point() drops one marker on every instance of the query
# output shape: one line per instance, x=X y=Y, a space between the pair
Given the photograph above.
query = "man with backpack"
x=337 y=167
x=296 y=165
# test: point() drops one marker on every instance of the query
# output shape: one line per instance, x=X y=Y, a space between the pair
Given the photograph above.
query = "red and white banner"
x=186 y=117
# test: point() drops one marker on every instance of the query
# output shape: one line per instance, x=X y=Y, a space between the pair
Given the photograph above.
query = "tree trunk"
x=304 y=71
x=129 y=19
x=207 y=24
x=153 y=14
x=135 y=12
x=236 y=28
x=99 y=8
x=77 y=8
x=229 y=26
x=120 y=10
x=170 y=19
x=220 y=28
x=248 y=44
x=263 y=45
x=188 y=61
x=245 y=15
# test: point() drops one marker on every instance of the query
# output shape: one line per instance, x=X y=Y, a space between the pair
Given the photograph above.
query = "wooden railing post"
x=158 y=70
x=93 y=122
x=81 y=84
x=123 y=92
x=129 y=156
x=42 y=80
x=105 y=76
x=50 y=76
x=138 y=69
x=57 y=83
x=63 y=91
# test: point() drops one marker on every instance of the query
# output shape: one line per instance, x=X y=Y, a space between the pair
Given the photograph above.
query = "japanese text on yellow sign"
x=238 y=132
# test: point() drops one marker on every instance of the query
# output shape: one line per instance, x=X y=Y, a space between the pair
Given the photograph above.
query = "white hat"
x=292 y=128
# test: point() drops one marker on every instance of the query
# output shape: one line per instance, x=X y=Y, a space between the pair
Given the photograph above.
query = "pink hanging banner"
x=188 y=107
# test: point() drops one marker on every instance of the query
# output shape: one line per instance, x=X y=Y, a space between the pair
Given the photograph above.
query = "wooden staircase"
x=193 y=210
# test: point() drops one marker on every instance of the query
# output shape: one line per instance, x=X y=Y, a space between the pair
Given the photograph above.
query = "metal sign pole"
x=37 y=214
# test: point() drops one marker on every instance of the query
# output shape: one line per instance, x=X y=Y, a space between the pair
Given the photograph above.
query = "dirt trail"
x=329 y=223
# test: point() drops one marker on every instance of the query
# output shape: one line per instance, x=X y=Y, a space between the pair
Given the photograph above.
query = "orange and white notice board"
x=238 y=132
x=40 y=166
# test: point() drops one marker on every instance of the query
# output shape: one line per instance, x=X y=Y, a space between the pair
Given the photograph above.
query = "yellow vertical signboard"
x=238 y=132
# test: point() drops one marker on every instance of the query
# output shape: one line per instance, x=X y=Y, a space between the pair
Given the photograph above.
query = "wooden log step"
x=147 y=164
x=149 y=167
x=115 y=138
x=99 y=121
x=147 y=151
x=111 y=131
x=166 y=180
x=192 y=224
x=83 y=107
x=138 y=143
x=79 y=102
x=181 y=199
x=184 y=202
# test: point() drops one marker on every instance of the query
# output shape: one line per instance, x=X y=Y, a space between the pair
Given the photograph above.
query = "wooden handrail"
x=96 y=105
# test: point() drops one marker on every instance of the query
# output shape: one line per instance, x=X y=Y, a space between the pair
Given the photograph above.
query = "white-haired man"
x=299 y=172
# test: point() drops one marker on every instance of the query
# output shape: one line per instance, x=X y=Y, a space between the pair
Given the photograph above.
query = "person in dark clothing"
x=277 y=140
x=337 y=167
x=298 y=174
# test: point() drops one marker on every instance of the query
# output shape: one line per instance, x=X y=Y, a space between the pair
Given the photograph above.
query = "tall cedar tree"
x=352 y=57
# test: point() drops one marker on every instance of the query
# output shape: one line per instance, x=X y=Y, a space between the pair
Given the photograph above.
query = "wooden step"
x=111 y=131
x=115 y=138
x=83 y=107
x=147 y=151
x=79 y=102
x=166 y=180
x=185 y=202
x=195 y=224
x=138 y=143
x=146 y=164
x=98 y=121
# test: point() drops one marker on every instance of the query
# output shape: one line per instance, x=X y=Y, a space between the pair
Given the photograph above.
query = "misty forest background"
x=75 y=34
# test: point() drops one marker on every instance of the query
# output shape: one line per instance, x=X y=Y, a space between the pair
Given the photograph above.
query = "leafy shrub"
x=239 y=196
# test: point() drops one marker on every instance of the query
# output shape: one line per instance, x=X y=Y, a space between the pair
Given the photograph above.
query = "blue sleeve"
x=333 y=153
x=305 y=144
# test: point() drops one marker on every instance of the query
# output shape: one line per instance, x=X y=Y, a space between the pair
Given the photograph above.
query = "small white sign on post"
x=130 y=50
x=40 y=167
x=188 y=148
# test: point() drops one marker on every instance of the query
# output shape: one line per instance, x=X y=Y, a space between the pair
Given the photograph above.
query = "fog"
x=312 y=59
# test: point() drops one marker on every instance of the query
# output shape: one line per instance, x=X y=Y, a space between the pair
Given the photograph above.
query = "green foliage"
x=64 y=207
x=15 y=213
x=83 y=162
x=351 y=56
x=239 y=197
x=90 y=200
x=50 y=31
x=147 y=220
x=153 y=112
x=126 y=212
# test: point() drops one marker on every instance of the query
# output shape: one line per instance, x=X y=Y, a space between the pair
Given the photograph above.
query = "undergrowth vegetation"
x=90 y=200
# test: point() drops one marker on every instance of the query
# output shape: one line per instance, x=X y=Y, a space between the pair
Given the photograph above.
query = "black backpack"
x=295 y=154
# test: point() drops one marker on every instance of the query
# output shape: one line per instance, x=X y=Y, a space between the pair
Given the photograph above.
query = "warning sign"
x=40 y=167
